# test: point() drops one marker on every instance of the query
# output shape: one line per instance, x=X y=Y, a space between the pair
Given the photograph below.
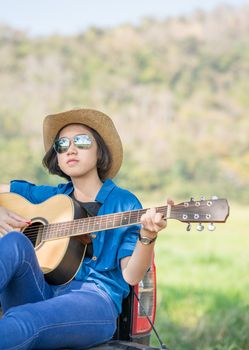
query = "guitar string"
x=107 y=219
x=66 y=233
x=103 y=220
x=110 y=217
x=32 y=233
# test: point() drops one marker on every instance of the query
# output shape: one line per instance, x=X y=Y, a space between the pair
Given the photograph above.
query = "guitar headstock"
x=202 y=211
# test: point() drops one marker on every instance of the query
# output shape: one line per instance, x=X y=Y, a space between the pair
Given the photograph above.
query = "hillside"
x=177 y=89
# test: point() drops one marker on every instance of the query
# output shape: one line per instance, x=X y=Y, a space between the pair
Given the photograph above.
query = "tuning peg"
x=192 y=199
x=214 y=198
x=203 y=198
x=200 y=227
x=211 y=227
x=188 y=227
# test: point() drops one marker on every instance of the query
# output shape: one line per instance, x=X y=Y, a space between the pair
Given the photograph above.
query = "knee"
x=16 y=238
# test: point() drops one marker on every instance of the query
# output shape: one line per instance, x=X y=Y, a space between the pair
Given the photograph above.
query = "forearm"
x=140 y=261
x=134 y=267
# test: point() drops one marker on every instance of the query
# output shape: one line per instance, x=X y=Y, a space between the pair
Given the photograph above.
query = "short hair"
x=104 y=158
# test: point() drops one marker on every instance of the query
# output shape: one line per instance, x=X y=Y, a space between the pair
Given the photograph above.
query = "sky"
x=67 y=17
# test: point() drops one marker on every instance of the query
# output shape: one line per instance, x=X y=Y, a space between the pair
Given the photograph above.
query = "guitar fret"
x=71 y=227
x=138 y=215
x=85 y=225
x=124 y=219
x=87 y=228
x=96 y=222
x=46 y=233
x=78 y=228
x=105 y=222
x=91 y=224
x=100 y=222
x=116 y=221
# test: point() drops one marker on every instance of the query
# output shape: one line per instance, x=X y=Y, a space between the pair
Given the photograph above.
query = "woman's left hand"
x=153 y=222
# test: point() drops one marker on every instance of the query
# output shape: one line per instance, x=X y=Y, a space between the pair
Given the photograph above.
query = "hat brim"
x=92 y=118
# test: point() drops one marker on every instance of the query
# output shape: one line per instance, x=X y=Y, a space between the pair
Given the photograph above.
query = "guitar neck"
x=214 y=210
x=97 y=223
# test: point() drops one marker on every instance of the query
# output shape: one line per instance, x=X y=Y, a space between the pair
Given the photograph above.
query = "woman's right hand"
x=9 y=221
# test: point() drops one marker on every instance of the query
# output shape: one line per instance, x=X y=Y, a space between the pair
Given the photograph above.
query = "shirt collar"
x=103 y=193
x=105 y=190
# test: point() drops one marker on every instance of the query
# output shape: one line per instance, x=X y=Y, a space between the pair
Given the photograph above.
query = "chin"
x=74 y=174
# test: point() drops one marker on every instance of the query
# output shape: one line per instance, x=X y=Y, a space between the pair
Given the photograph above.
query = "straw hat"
x=94 y=119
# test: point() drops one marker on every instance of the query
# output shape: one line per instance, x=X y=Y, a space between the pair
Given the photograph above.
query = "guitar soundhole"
x=33 y=232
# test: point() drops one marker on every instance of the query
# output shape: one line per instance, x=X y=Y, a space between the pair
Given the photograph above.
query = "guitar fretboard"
x=95 y=224
x=193 y=211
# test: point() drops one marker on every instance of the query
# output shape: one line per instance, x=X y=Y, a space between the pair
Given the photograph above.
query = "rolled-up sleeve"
x=129 y=242
x=130 y=235
x=37 y=193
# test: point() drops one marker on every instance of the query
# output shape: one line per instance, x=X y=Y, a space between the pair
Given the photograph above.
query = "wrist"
x=145 y=240
x=148 y=234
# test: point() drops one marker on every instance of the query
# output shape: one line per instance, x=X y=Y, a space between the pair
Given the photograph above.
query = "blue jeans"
x=40 y=316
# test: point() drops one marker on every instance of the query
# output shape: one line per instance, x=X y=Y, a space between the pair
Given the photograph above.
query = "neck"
x=86 y=188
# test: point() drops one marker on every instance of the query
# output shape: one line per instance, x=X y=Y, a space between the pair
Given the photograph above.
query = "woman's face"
x=76 y=162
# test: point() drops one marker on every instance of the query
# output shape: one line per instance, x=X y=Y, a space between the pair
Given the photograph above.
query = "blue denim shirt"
x=109 y=246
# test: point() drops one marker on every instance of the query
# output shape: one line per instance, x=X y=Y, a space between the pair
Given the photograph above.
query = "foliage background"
x=177 y=89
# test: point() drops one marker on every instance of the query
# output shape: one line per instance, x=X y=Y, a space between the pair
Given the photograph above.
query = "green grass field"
x=203 y=285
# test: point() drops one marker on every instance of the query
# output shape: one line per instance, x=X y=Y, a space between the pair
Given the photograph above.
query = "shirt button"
x=93 y=235
x=94 y=258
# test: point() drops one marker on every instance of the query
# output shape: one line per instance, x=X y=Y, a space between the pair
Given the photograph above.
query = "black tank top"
x=87 y=209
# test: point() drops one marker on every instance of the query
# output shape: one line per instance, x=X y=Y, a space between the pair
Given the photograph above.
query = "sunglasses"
x=80 y=141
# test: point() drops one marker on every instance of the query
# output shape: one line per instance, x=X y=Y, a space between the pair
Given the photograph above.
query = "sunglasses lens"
x=82 y=141
x=62 y=145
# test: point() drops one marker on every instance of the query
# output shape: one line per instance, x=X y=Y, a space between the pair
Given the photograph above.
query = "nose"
x=72 y=148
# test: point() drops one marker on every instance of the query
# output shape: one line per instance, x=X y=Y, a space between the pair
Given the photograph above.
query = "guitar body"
x=59 y=258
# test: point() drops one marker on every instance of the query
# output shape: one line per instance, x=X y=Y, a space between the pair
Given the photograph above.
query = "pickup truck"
x=133 y=327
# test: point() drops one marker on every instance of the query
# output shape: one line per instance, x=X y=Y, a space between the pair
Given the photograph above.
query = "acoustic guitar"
x=55 y=227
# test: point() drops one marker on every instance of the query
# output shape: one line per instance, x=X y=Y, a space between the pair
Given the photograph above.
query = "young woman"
x=84 y=147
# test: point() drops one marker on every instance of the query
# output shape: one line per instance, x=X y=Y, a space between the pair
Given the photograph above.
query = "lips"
x=72 y=161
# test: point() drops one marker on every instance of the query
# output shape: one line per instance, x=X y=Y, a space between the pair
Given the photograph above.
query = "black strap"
x=91 y=208
x=88 y=209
